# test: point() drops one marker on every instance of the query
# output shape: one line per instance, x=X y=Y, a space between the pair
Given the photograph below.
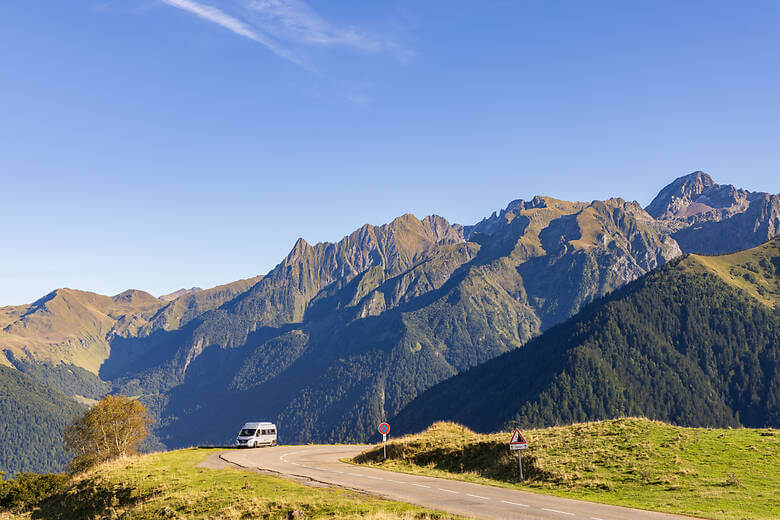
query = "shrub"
x=28 y=489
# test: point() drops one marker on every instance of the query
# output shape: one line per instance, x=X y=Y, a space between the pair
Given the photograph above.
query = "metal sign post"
x=520 y=462
x=384 y=429
x=518 y=444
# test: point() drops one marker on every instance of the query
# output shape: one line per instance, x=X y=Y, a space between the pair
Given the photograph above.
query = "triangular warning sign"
x=517 y=438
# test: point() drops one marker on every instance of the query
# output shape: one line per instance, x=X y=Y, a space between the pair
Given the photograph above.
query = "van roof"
x=257 y=425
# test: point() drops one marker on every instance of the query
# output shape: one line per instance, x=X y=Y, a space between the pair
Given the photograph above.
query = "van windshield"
x=246 y=433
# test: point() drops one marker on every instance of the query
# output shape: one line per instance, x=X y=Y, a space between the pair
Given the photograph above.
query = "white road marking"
x=396 y=481
x=556 y=511
x=375 y=478
x=282 y=457
x=477 y=496
x=515 y=503
x=595 y=518
x=448 y=491
x=337 y=471
x=420 y=485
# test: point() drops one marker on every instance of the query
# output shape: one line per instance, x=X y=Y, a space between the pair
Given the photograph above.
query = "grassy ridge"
x=755 y=271
x=705 y=472
x=171 y=485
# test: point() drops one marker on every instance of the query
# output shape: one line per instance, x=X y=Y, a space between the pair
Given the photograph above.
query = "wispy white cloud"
x=295 y=21
x=281 y=25
x=233 y=24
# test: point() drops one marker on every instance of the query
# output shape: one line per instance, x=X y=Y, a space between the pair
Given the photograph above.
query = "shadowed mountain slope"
x=687 y=343
x=339 y=336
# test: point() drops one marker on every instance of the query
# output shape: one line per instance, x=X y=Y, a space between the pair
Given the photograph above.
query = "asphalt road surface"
x=321 y=463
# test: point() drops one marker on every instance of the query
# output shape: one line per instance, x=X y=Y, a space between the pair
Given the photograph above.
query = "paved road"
x=322 y=463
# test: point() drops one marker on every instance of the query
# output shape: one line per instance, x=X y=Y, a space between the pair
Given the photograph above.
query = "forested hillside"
x=32 y=417
x=683 y=344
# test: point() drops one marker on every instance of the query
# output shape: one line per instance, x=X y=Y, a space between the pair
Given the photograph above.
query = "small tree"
x=113 y=428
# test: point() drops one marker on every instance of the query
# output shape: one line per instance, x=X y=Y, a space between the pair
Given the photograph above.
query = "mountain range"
x=339 y=336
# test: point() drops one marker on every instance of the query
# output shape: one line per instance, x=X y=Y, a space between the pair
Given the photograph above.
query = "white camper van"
x=256 y=434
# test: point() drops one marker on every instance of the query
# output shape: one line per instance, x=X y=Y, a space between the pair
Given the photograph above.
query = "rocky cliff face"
x=706 y=217
x=678 y=199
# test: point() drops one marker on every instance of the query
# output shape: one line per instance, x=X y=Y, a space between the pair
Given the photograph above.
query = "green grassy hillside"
x=711 y=473
x=32 y=417
x=755 y=271
x=171 y=485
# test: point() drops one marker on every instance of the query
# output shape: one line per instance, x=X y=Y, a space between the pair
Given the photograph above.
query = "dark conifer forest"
x=33 y=418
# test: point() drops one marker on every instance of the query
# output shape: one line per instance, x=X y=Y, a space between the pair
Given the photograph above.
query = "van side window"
x=273 y=432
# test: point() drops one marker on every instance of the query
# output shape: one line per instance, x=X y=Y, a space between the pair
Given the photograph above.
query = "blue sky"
x=158 y=144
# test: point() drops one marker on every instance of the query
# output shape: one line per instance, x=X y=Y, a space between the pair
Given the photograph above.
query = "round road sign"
x=384 y=428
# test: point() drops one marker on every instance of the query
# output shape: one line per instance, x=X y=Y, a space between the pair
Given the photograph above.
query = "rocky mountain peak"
x=300 y=248
x=676 y=197
x=181 y=292
x=710 y=218
x=133 y=296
